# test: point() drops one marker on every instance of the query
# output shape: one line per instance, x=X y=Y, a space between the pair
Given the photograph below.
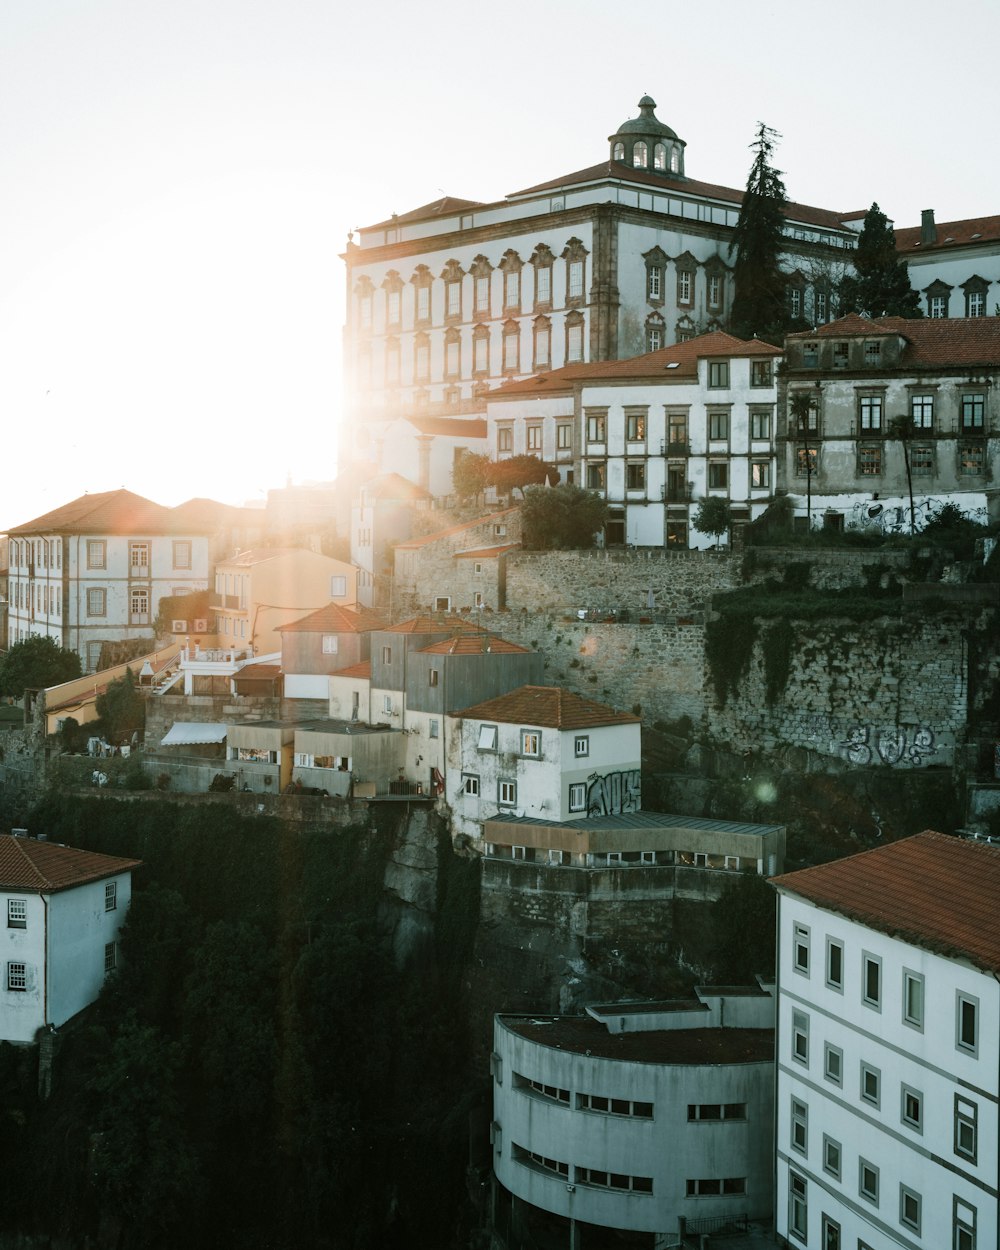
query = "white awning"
x=193 y=733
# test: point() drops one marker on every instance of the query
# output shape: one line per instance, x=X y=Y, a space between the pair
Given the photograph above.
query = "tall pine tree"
x=759 y=305
x=880 y=286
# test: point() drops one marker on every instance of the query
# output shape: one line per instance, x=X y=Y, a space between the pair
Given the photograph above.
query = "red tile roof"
x=364 y=669
x=450 y=427
x=435 y=625
x=930 y=341
x=45 y=867
x=492 y=517
x=110 y=512
x=934 y=891
x=334 y=619
x=950 y=234
x=486 y=553
x=475 y=644
x=437 y=208
x=549 y=707
x=677 y=361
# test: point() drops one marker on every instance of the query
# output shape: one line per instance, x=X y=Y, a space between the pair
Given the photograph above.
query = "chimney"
x=928 y=230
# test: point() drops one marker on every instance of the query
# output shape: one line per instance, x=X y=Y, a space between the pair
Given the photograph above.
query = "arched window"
x=618 y=153
x=660 y=156
x=675 y=161
x=640 y=155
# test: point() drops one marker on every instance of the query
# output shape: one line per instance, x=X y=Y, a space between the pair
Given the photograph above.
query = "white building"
x=654 y=435
x=648 y=1119
x=888 y=1049
x=64 y=909
x=955 y=265
x=95 y=570
x=539 y=752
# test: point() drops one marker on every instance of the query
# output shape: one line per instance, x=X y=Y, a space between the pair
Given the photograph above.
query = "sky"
x=179 y=179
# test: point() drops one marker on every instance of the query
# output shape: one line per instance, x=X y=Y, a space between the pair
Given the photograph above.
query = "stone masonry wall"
x=829 y=569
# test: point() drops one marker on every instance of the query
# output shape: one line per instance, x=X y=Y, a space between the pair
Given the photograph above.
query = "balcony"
x=675 y=448
x=218 y=662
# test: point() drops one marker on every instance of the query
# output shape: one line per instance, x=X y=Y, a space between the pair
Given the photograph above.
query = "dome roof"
x=646 y=123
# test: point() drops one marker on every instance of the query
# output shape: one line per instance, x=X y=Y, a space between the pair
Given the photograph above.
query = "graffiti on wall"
x=894 y=747
x=614 y=793
x=890 y=517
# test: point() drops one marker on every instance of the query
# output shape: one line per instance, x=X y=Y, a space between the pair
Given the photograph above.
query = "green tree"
x=470 y=475
x=759 y=306
x=880 y=286
x=35 y=664
x=714 y=516
x=517 y=472
x=561 y=518
x=122 y=708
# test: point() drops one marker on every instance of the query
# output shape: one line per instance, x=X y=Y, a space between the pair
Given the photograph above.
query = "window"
x=971 y=459
x=552 y=1092
x=511 y=347
x=635 y=427
x=17 y=977
x=871 y=980
x=800 y=948
x=654 y=337
x=714 y=1186
x=505 y=438
x=912 y=1108
x=833 y=1064
x=97 y=554
x=834 y=964
x=543 y=284
x=973 y=410
x=480 y=350
x=452 y=355
x=873 y=352
x=543 y=343
x=578 y=797
x=922 y=411
x=909 y=1208
x=831 y=1156
x=831 y=1234
x=798 y=1210
x=331 y=644
x=760 y=475
x=596 y=424
x=963 y=1235
x=922 y=460
x=487 y=737
x=635 y=476
x=822 y=303
x=937 y=306
x=870 y=412
x=595 y=476
x=614 y=1106
x=387 y=704
x=482 y=293
x=96 y=601
x=640 y=155
x=531 y=742
x=870 y=460
x=422 y=309
x=392 y=362
x=453 y=299
x=718 y=373
x=975 y=303
x=685 y=284
x=795 y=301
x=868 y=1180
x=387 y=655
x=800 y=1037
x=507 y=793
x=810 y=355
x=110 y=895
x=654 y=282
x=800 y=1127
x=966 y=1128
x=17 y=913
x=760 y=373
x=677 y=432
x=717 y=1111
x=913 y=999
x=715 y=289
x=718 y=475
x=110 y=956
x=434 y=729
x=182 y=554
x=534 y=438
x=433 y=676
x=470 y=785
x=574 y=284
x=966 y=1024
x=564 y=437
x=574 y=338
x=760 y=423
x=615 y=1180
x=512 y=289
x=338 y=587
x=718 y=425
x=530 y=1159
x=581 y=746
x=870 y=1084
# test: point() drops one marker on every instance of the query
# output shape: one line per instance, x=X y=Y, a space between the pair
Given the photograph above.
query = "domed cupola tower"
x=645 y=143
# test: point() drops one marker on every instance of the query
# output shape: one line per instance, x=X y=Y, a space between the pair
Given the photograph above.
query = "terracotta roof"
x=611 y=170
x=45 y=867
x=450 y=427
x=475 y=644
x=109 y=512
x=549 y=707
x=485 y=553
x=364 y=669
x=678 y=361
x=437 y=208
x=934 y=891
x=930 y=341
x=950 y=234
x=492 y=517
x=334 y=619
x=439 y=624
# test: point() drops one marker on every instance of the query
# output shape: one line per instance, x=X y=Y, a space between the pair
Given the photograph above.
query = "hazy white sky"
x=179 y=179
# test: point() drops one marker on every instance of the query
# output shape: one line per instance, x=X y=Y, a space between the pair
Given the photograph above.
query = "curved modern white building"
x=643 y=1118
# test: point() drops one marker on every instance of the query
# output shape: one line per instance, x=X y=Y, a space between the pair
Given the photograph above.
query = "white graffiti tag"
x=892 y=745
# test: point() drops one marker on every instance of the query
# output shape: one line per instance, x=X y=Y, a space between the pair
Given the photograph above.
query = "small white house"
x=888 y=1048
x=64 y=909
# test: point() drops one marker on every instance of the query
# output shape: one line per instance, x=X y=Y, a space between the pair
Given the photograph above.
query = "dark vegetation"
x=759 y=306
x=34 y=664
x=561 y=518
x=258 y=1072
x=880 y=285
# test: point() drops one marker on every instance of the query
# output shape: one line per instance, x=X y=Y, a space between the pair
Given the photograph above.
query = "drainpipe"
x=45 y=960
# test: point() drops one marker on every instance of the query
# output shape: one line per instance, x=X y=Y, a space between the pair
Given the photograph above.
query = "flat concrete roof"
x=584 y=1035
